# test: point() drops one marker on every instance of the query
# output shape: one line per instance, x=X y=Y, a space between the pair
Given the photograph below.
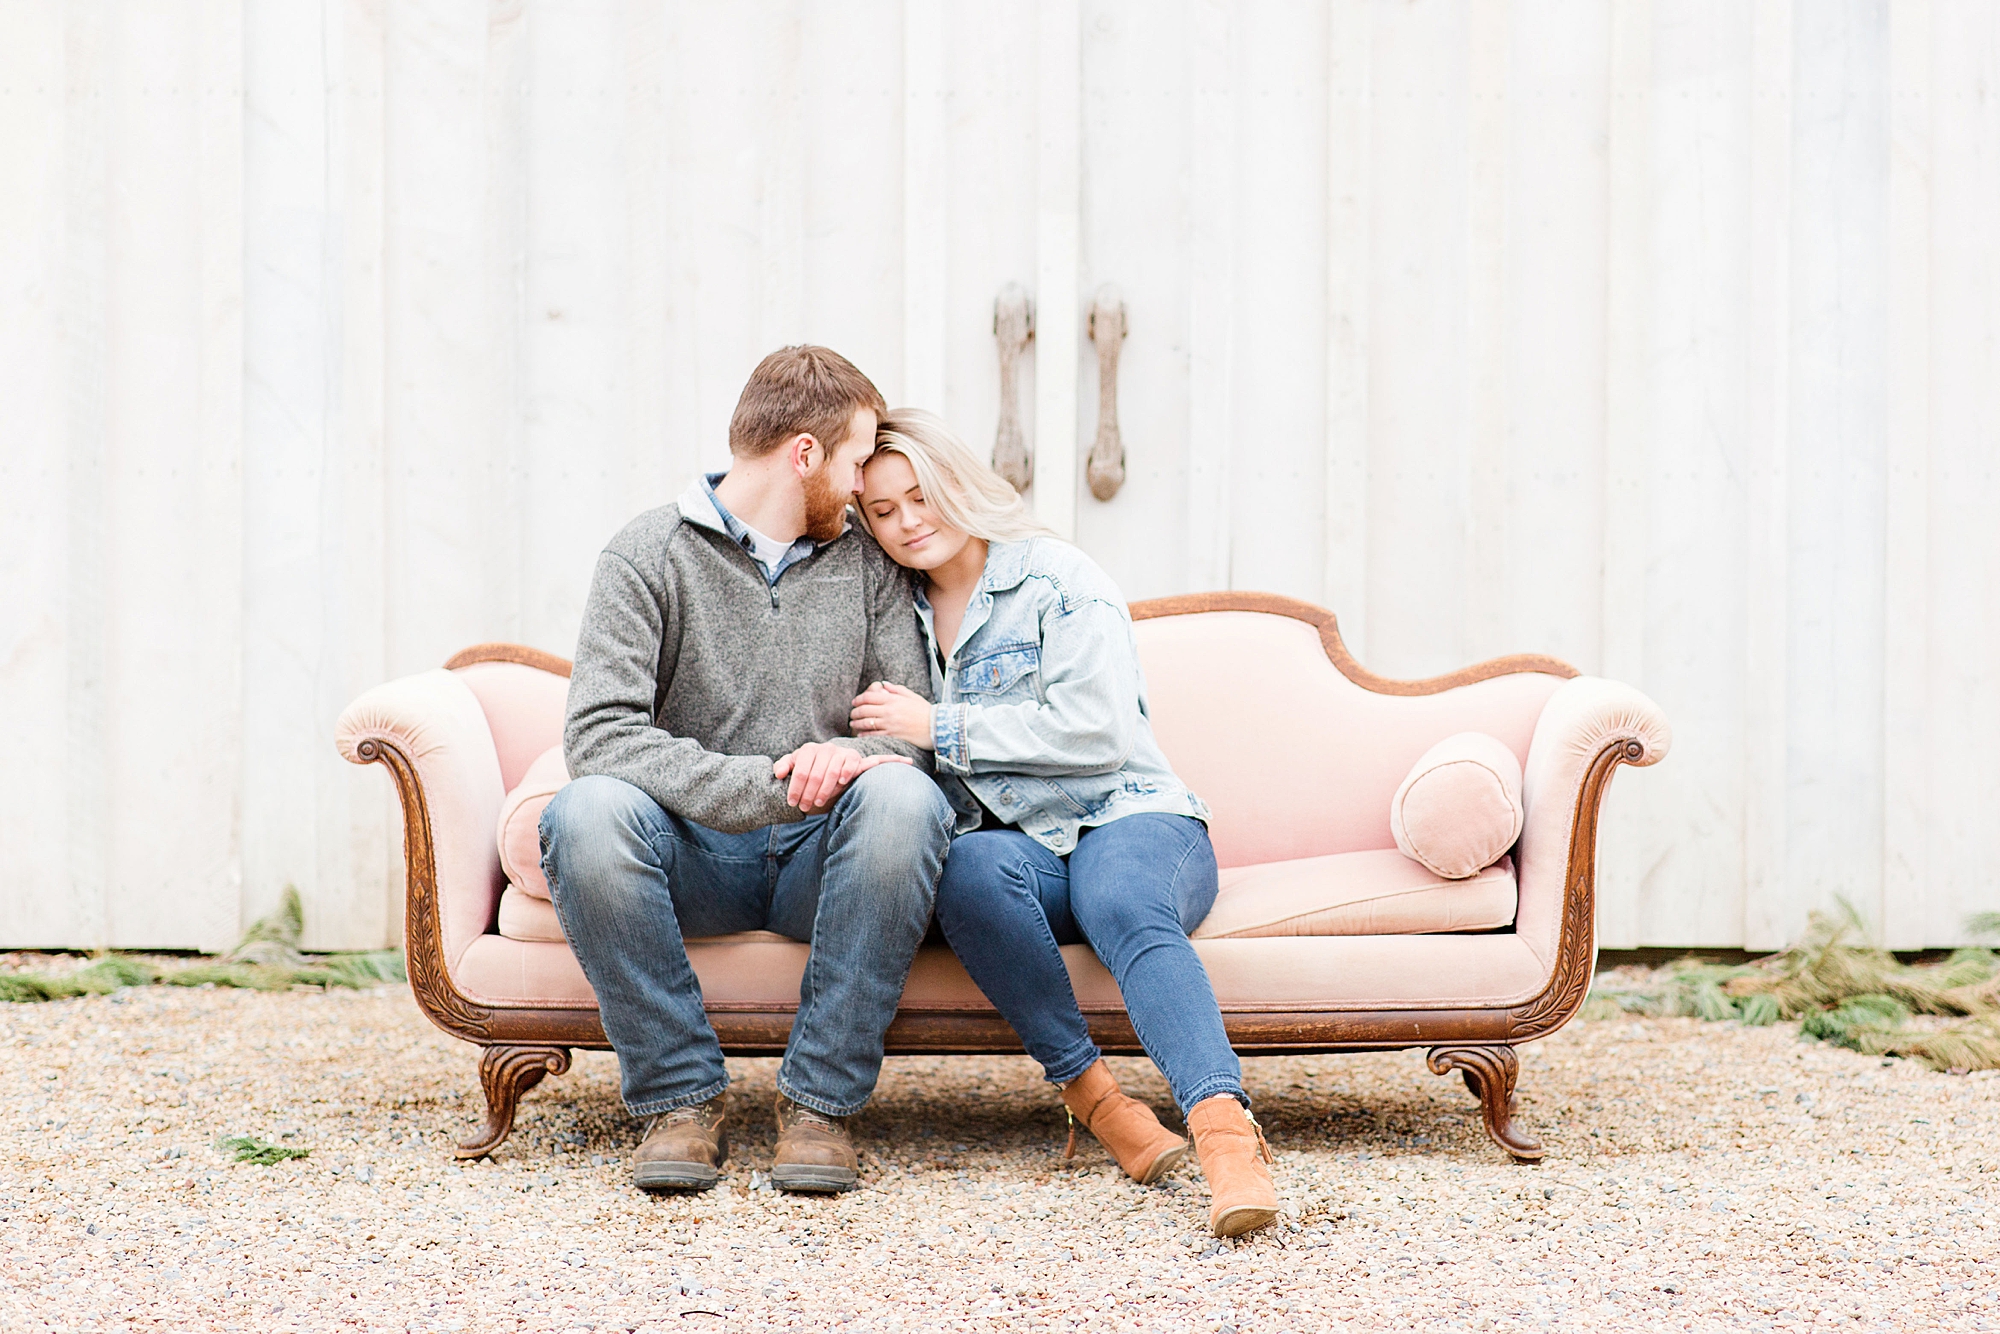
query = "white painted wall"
x=1662 y=335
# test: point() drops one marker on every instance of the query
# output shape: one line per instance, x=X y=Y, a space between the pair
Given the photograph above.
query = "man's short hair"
x=803 y=390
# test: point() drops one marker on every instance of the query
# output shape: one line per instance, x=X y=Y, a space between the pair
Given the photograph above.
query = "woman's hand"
x=887 y=709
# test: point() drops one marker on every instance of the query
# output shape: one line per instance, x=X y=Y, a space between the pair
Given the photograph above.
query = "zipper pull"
x=1263 y=1147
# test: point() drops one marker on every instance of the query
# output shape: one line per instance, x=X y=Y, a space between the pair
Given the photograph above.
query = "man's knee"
x=899 y=797
x=594 y=820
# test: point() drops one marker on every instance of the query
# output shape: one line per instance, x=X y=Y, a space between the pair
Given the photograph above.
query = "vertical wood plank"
x=1627 y=436
x=778 y=37
x=1273 y=448
x=1962 y=839
x=39 y=361
x=1417 y=349
x=1553 y=370
x=1058 y=315
x=1767 y=649
x=926 y=183
x=173 y=452
x=86 y=295
x=451 y=321
x=1138 y=96
x=1350 y=92
x=363 y=849
x=989 y=185
x=1212 y=157
x=1486 y=483
x=292 y=312
x=852 y=153
x=1838 y=421
x=654 y=374
x=1689 y=875
x=570 y=483
x=1903 y=909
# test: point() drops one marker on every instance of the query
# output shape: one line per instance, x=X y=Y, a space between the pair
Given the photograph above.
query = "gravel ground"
x=1700 y=1176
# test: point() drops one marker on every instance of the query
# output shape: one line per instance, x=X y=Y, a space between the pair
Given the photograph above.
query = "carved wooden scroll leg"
x=1106 y=472
x=1490 y=1072
x=506 y=1072
x=1013 y=327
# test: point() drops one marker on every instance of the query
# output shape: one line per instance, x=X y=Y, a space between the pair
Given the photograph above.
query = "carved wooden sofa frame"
x=524 y=1044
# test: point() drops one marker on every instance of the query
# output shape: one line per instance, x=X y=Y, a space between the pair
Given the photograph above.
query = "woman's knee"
x=978 y=859
x=982 y=869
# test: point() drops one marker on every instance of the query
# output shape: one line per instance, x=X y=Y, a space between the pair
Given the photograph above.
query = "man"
x=717 y=788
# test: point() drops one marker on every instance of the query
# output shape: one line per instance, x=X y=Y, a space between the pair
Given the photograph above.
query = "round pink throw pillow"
x=1460 y=808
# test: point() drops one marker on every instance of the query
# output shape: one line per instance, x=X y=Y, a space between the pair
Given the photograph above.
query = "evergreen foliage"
x=267 y=959
x=1841 y=990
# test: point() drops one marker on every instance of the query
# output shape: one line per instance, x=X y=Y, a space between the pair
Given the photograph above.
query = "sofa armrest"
x=431 y=734
x=1587 y=728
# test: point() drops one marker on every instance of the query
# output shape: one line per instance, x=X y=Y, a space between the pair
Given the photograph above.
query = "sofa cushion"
x=759 y=972
x=1231 y=690
x=520 y=827
x=524 y=709
x=1459 y=810
x=523 y=916
x=1378 y=893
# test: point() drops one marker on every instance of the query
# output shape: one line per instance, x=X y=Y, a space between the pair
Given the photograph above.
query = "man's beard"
x=826 y=506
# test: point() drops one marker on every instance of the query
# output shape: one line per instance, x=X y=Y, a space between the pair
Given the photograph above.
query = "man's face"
x=833 y=483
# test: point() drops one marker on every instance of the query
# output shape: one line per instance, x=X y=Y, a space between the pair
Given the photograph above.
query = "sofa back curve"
x=524 y=708
x=1294 y=758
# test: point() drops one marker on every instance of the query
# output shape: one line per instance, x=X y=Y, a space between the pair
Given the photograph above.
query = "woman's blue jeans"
x=1132 y=891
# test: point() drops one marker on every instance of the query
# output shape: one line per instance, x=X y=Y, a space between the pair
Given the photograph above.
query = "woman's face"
x=902 y=521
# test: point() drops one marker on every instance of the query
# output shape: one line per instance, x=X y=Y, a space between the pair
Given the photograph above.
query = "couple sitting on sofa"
x=761 y=697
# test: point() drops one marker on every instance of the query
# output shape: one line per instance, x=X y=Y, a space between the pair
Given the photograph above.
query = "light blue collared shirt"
x=739 y=532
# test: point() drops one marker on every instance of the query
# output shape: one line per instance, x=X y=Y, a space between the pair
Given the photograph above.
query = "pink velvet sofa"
x=1298 y=751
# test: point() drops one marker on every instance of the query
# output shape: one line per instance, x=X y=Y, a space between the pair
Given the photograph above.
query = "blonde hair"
x=956 y=482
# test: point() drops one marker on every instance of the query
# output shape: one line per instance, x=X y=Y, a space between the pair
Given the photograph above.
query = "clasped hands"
x=820 y=770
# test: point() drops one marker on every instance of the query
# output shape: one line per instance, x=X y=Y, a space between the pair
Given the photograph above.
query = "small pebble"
x=1703 y=1176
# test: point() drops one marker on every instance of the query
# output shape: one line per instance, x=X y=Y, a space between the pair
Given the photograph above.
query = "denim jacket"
x=1041 y=708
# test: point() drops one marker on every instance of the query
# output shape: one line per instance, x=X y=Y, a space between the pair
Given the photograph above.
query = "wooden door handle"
x=1013 y=327
x=1106 y=471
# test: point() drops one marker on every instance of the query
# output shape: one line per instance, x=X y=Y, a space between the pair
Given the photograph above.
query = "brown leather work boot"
x=814 y=1151
x=684 y=1149
x=1231 y=1147
x=1125 y=1126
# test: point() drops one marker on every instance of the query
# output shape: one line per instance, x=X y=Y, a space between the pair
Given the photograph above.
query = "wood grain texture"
x=1329 y=637
x=1658 y=335
x=526 y=1041
x=521 y=653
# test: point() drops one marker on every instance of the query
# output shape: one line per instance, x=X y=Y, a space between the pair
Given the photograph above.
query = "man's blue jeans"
x=1132 y=891
x=631 y=881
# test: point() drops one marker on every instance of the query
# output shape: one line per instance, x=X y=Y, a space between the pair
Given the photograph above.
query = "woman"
x=1073 y=827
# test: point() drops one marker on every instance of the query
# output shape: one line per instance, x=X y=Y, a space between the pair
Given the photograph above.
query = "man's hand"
x=820 y=771
x=887 y=709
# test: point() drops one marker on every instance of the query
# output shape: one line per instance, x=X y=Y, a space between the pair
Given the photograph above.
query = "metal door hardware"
x=1013 y=327
x=1106 y=472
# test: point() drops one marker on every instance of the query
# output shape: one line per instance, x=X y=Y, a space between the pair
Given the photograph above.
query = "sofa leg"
x=1490 y=1072
x=506 y=1072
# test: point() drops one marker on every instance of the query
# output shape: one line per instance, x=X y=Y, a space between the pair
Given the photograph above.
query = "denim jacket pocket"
x=998 y=672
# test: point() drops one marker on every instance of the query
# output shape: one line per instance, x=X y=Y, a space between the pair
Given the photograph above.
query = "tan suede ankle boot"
x=1125 y=1126
x=1233 y=1155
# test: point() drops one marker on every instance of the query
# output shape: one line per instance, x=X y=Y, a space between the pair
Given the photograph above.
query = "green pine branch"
x=266 y=959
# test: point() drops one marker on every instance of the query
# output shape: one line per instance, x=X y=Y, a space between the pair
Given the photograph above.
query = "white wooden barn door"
x=1659 y=335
